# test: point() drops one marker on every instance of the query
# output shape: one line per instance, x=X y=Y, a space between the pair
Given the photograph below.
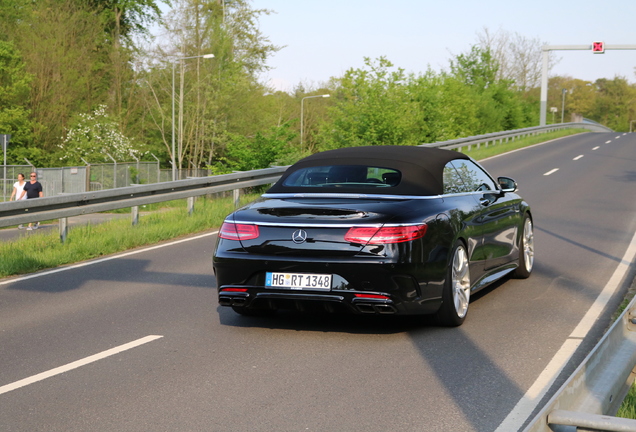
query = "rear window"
x=344 y=175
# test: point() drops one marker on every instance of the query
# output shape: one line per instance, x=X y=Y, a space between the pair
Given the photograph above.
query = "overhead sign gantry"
x=596 y=48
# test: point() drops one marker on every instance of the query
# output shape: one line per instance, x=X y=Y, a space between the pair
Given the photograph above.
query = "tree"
x=498 y=107
x=221 y=96
x=121 y=20
x=93 y=137
x=520 y=58
x=62 y=50
x=125 y=18
x=261 y=151
x=615 y=103
x=14 y=92
x=580 y=98
x=372 y=107
x=448 y=107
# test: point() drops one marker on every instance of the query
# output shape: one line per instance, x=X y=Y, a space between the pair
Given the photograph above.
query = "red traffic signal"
x=598 y=47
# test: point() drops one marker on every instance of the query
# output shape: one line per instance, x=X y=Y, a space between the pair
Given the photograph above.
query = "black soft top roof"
x=421 y=167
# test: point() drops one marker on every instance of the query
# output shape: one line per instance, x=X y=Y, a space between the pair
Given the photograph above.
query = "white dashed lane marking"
x=76 y=364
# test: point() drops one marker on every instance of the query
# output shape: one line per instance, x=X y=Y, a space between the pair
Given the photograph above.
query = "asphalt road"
x=208 y=369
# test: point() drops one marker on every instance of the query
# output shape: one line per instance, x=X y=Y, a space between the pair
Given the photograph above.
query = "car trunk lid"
x=311 y=227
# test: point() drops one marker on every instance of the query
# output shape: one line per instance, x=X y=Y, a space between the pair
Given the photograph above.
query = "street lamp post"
x=174 y=161
x=302 y=117
x=5 y=141
x=563 y=92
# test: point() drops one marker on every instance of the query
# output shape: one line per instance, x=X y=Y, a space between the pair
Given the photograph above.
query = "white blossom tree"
x=93 y=138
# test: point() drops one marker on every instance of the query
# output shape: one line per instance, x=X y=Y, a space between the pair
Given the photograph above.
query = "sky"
x=325 y=38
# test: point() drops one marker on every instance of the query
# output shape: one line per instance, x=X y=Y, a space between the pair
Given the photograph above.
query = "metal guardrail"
x=514 y=134
x=64 y=206
x=596 y=389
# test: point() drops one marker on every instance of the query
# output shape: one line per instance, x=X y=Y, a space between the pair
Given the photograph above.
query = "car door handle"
x=484 y=201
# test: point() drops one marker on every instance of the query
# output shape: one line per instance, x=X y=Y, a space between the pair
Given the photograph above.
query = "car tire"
x=526 y=250
x=456 y=293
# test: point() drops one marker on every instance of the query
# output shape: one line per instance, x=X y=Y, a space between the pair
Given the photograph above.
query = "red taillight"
x=384 y=235
x=373 y=296
x=234 y=231
x=234 y=289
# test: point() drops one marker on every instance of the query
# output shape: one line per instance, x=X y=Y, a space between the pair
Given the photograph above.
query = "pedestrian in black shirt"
x=32 y=189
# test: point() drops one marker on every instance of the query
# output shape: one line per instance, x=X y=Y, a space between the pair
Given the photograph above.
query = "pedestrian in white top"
x=18 y=187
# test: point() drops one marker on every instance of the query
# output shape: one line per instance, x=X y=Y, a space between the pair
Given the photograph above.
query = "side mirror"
x=507 y=184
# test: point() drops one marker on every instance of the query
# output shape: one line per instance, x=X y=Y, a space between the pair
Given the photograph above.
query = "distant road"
x=181 y=363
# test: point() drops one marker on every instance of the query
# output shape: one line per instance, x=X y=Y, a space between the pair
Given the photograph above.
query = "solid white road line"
x=578 y=157
x=535 y=393
x=551 y=172
x=101 y=260
x=76 y=364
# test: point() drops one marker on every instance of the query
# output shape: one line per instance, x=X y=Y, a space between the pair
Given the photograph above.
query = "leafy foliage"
x=373 y=106
x=261 y=151
x=14 y=92
x=93 y=138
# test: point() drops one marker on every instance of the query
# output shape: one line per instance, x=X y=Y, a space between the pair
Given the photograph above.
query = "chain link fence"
x=166 y=174
x=94 y=177
x=116 y=175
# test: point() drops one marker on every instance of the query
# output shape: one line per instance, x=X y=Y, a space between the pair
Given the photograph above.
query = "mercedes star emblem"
x=299 y=236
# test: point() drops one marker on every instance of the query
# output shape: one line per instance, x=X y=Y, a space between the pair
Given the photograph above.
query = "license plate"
x=298 y=281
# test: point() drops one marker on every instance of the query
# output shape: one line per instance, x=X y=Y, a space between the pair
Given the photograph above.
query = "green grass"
x=628 y=408
x=484 y=152
x=41 y=250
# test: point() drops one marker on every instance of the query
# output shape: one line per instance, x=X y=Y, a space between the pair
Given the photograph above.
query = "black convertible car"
x=375 y=230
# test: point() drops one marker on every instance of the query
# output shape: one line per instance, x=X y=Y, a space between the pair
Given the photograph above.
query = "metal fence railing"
x=505 y=136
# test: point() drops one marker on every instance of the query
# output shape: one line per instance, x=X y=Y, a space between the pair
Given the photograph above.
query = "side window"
x=474 y=176
x=453 y=182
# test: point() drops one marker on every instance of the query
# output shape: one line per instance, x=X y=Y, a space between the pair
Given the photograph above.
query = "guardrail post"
x=190 y=205
x=237 y=195
x=135 y=215
x=63 y=225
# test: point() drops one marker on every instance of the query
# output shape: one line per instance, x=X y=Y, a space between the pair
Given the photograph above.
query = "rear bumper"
x=256 y=298
x=359 y=287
